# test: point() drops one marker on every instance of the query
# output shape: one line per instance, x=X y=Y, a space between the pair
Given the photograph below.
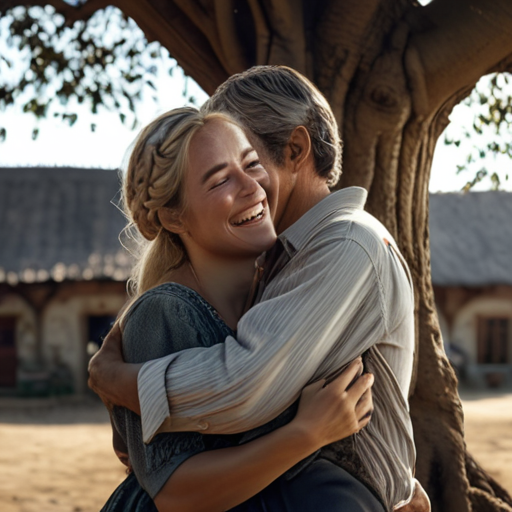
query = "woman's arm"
x=218 y=480
x=120 y=448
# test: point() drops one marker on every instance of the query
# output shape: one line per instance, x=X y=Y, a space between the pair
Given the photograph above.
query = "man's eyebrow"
x=246 y=151
x=216 y=168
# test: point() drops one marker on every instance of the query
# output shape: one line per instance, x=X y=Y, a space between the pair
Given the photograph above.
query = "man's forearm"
x=283 y=343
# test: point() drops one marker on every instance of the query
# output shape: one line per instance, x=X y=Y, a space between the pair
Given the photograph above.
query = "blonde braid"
x=138 y=193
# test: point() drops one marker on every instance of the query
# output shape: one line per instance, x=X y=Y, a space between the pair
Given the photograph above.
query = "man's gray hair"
x=271 y=101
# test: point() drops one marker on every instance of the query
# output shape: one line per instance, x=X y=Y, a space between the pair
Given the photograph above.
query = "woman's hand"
x=331 y=412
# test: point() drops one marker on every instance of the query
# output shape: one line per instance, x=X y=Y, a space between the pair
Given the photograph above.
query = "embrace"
x=264 y=361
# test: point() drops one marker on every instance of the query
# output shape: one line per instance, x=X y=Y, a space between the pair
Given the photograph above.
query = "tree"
x=392 y=71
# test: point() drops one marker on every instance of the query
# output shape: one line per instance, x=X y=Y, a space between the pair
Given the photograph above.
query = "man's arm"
x=325 y=311
x=305 y=335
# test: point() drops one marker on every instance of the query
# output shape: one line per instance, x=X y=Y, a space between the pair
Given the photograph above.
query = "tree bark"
x=392 y=72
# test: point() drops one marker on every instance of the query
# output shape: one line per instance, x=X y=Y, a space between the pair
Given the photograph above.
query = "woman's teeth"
x=257 y=214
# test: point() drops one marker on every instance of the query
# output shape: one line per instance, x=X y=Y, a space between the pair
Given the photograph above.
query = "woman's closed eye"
x=219 y=183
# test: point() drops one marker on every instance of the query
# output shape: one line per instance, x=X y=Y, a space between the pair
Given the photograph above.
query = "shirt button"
x=202 y=425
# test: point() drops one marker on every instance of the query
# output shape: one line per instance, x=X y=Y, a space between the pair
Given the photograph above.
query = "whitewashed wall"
x=64 y=330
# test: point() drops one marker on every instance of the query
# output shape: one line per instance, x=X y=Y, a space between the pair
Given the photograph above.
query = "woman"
x=194 y=190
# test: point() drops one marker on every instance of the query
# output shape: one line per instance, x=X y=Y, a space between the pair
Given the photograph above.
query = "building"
x=63 y=274
x=471 y=254
x=63 y=277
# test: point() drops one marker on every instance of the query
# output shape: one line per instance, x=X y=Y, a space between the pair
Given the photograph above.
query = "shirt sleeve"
x=326 y=309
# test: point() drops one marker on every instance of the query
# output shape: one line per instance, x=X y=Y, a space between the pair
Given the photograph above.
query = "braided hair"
x=154 y=180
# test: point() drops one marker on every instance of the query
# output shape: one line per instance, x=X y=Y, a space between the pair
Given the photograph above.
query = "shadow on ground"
x=53 y=411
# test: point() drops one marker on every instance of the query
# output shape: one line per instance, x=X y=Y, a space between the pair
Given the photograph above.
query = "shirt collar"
x=300 y=232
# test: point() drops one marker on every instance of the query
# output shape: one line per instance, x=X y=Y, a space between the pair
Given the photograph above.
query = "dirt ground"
x=57 y=457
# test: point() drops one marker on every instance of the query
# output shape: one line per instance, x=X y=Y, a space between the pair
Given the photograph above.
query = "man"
x=334 y=287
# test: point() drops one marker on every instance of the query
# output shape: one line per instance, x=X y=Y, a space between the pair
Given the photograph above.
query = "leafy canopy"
x=106 y=62
x=490 y=133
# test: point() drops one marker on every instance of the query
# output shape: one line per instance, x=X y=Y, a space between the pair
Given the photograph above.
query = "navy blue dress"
x=171 y=318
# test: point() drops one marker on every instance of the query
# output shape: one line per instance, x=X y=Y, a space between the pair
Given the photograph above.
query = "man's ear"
x=171 y=220
x=299 y=147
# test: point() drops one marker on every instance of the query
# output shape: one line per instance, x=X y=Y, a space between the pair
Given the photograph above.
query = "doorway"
x=8 y=354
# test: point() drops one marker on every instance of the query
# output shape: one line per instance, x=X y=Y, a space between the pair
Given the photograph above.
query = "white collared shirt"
x=345 y=290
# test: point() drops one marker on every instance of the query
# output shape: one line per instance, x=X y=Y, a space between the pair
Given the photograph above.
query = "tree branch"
x=163 y=21
x=504 y=66
x=288 y=45
x=262 y=31
x=160 y=20
x=458 y=41
x=339 y=35
x=205 y=22
x=232 y=49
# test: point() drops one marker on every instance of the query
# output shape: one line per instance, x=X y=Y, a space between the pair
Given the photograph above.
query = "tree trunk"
x=392 y=71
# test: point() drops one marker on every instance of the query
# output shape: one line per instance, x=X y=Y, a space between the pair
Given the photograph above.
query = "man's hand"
x=419 y=501
x=110 y=377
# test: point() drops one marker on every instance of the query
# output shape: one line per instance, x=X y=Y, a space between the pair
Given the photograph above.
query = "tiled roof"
x=60 y=224
x=471 y=238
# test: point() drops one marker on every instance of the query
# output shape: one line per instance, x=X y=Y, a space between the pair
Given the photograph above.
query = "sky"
x=77 y=146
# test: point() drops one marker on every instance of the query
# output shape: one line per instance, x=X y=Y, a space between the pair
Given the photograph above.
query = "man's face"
x=278 y=187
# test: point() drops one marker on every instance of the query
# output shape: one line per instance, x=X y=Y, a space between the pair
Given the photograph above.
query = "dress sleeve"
x=157 y=325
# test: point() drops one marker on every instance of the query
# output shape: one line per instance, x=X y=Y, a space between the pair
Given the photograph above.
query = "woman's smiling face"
x=225 y=206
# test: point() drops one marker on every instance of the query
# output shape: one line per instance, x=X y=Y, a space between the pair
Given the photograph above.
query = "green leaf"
x=71 y=118
x=495 y=180
x=35 y=133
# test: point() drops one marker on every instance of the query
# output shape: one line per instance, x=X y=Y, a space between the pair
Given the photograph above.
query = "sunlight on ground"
x=57 y=468
x=59 y=459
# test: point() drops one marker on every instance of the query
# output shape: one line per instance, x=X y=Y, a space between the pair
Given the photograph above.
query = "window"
x=493 y=335
x=8 y=358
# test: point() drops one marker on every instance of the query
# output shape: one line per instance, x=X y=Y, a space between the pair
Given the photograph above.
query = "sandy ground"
x=57 y=457
x=488 y=432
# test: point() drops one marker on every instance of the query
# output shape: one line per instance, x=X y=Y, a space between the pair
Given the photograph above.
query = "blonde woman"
x=194 y=189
